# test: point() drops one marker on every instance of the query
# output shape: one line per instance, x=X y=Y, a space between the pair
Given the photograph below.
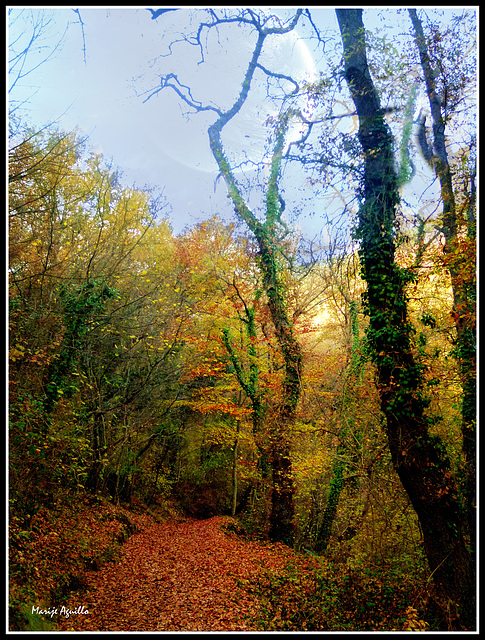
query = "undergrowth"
x=321 y=595
x=51 y=548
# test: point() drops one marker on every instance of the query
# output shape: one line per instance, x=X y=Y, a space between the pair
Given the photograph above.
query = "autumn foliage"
x=151 y=423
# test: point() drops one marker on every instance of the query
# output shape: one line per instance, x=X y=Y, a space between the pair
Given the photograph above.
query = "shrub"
x=318 y=595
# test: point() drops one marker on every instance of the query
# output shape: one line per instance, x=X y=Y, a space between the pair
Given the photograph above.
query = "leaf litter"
x=181 y=575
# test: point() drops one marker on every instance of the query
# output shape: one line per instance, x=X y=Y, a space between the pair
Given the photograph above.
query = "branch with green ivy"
x=419 y=456
x=248 y=382
x=267 y=237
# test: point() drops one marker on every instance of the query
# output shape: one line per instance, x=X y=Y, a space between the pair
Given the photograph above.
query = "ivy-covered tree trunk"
x=418 y=457
x=282 y=502
x=234 y=469
x=266 y=234
x=282 y=498
x=249 y=383
x=80 y=306
x=336 y=486
x=459 y=259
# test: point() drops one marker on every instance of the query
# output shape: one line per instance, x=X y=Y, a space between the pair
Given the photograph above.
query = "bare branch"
x=179 y=88
x=32 y=39
x=279 y=76
x=77 y=12
x=158 y=12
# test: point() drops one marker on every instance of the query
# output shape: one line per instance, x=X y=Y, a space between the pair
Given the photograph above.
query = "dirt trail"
x=177 y=576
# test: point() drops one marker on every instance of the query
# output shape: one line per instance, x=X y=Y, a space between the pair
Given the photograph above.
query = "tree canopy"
x=324 y=393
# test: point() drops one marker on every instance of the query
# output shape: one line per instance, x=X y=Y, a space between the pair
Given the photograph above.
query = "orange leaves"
x=461 y=260
x=49 y=556
x=178 y=576
x=227 y=407
x=204 y=369
x=413 y=621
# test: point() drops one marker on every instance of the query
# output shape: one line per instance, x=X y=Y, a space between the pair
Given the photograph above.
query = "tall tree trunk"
x=249 y=382
x=462 y=275
x=330 y=512
x=93 y=481
x=266 y=234
x=282 y=497
x=234 y=470
x=418 y=457
x=283 y=490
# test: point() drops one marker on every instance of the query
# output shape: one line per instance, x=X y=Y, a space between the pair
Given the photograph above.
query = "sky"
x=99 y=77
x=152 y=142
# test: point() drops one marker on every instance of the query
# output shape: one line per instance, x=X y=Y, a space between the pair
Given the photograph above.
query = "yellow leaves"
x=413 y=622
x=16 y=352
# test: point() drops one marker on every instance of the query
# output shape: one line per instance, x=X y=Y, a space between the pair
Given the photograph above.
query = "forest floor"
x=88 y=565
x=181 y=575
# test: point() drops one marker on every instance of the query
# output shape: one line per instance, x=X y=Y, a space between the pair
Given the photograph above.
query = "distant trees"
x=268 y=234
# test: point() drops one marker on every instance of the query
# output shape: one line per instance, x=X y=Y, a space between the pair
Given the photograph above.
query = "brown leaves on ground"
x=48 y=554
x=177 y=576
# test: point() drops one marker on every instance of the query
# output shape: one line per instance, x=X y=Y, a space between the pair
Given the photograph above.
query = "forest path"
x=177 y=576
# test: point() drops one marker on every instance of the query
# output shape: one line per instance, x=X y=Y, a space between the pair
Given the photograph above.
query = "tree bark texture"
x=463 y=280
x=418 y=457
